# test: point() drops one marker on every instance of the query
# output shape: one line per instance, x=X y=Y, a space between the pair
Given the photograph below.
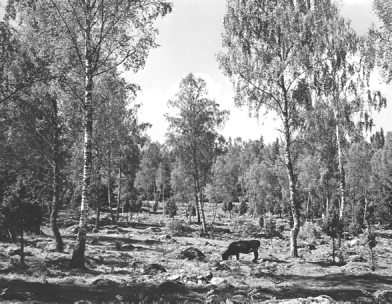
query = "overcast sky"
x=189 y=39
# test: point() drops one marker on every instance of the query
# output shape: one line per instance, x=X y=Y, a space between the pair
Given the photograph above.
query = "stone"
x=174 y=277
x=356 y=258
x=94 y=230
x=218 y=281
x=73 y=229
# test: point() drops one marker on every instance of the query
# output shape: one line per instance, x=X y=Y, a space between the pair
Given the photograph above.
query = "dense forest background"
x=71 y=138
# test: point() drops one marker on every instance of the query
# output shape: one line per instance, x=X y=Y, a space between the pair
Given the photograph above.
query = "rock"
x=191 y=253
x=128 y=247
x=354 y=242
x=153 y=229
x=165 y=237
x=218 y=281
x=109 y=231
x=383 y=296
x=174 y=277
x=12 y=252
x=73 y=229
x=95 y=230
x=310 y=246
x=356 y=258
x=153 y=268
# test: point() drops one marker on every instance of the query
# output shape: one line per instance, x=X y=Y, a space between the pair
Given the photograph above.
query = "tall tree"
x=342 y=83
x=271 y=47
x=102 y=35
x=381 y=38
x=192 y=132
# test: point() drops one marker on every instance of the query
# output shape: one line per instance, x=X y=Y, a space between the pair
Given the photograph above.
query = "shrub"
x=177 y=226
x=243 y=208
x=227 y=206
x=191 y=209
x=309 y=232
x=243 y=226
x=261 y=222
x=155 y=207
x=170 y=207
x=136 y=205
x=270 y=227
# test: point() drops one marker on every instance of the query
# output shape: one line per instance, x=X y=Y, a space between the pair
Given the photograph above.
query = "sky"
x=190 y=39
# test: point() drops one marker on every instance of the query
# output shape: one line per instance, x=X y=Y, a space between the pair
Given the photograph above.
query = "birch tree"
x=192 y=133
x=271 y=46
x=100 y=36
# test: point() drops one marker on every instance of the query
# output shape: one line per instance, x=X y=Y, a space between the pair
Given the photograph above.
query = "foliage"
x=136 y=205
x=380 y=38
x=191 y=209
x=192 y=132
x=271 y=49
x=155 y=206
x=357 y=225
x=310 y=232
x=177 y=226
x=243 y=207
x=227 y=206
x=170 y=207
x=270 y=226
x=333 y=227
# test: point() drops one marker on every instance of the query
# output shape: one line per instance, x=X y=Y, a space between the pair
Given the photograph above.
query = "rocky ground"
x=143 y=261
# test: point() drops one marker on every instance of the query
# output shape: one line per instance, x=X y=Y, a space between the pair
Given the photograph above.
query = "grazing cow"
x=246 y=247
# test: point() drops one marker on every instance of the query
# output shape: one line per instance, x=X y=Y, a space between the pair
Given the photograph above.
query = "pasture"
x=122 y=265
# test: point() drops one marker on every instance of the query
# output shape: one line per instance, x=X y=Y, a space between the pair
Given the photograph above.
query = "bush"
x=136 y=205
x=177 y=226
x=155 y=207
x=243 y=208
x=243 y=226
x=261 y=222
x=191 y=209
x=309 y=232
x=170 y=207
x=270 y=226
x=227 y=206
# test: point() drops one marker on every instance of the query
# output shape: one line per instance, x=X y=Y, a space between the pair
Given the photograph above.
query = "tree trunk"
x=97 y=213
x=203 y=219
x=22 y=255
x=197 y=203
x=108 y=185
x=77 y=260
x=342 y=181
x=119 y=191
x=56 y=179
x=292 y=188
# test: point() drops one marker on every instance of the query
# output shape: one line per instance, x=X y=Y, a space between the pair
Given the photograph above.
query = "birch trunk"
x=292 y=188
x=119 y=191
x=342 y=180
x=56 y=179
x=77 y=260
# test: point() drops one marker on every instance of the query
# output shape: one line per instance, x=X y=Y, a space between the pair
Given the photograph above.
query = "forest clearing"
x=117 y=257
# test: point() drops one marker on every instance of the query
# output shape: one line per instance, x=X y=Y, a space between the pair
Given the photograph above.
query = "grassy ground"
x=117 y=256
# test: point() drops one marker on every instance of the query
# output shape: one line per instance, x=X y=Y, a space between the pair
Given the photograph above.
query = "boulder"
x=153 y=229
x=356 y=258
x=218 y=281
x=153 y=268
x=191 y=253
x=73 y=229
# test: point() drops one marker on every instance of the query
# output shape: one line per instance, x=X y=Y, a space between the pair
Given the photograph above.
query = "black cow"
x=246 y=247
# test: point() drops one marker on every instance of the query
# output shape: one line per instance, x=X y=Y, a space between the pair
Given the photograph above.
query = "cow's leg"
x=238 y=256
x=256 y=252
